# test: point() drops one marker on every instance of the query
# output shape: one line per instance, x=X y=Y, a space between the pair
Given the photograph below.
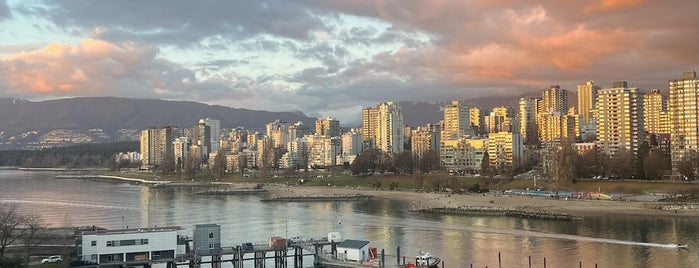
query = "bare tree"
x=404 y=162
x=688 y=166
x=428 y=161
x=34 y=233
x=11 y=226
x=219 y=167
x=566 y=160
x=654 y=164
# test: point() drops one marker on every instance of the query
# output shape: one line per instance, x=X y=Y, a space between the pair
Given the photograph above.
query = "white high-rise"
x=389 y=134
x=683 y=107
x=382 y=127
x=619 y=119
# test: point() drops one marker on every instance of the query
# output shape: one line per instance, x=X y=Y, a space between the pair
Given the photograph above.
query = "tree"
x=167 y=167
x=587 y=166
x=565 y=163
x=428 y=161
x=11 y=223
x=219 y=167
x=688 y=166
x=485 y=165
x=34 y=234
x=404 y=162
x=623 y=163
x=642 y=154
x=191 y=165
x=654 y=164
x=363 y=163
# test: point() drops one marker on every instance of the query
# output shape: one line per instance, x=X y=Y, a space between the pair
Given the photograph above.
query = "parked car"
x=52 y=259
x=247 y=246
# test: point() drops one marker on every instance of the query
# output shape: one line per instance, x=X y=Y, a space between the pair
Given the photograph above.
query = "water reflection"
x=459 y=240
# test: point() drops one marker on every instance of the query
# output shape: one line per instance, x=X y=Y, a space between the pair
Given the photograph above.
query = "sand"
x=428 y=200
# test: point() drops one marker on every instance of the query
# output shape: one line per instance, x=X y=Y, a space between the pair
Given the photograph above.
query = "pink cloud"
x=611 y=5
x=63 y=69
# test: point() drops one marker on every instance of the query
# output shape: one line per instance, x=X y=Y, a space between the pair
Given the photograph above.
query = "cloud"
x=327 y=57
x=4 y=10
x=181 y=23
x=611 y=5
x=97 y=68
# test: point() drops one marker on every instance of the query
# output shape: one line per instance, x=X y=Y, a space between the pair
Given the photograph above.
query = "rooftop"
x=134 y=230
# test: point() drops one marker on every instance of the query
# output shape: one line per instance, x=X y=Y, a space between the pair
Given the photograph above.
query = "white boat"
x=681 y=246
x=426 y=260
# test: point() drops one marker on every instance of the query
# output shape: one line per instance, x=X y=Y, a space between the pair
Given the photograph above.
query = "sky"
x=333 y=58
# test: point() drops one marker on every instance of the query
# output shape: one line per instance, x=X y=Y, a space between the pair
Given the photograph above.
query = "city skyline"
x=335 y=58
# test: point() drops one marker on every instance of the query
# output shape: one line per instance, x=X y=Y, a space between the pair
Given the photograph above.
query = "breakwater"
x=319 y=198
x=232 y=192
x=519 y=212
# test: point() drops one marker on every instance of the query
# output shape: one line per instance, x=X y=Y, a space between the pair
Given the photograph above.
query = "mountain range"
x=26 y=122
x=39 y=124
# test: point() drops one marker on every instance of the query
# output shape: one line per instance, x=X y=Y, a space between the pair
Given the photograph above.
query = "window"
x=211 y=234
x=93 y=243
x=211 y=245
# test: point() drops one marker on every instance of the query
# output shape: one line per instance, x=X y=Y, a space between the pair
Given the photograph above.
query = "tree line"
x=24 y=230
x=83 y=155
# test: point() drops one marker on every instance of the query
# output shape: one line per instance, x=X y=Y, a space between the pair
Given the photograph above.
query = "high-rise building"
x=202 y=138
x=655 y=112
x=683 y=107
x=476 y=119
x=555 y=99
x=619 y=119
x=278 y=131
x=370 y=123
x=424 y=141
x=457 y=120
x=505 y=149
x=351 y=143
x=500 y=119
x=550 y=114
x=215 y=135
x=385 y=122
x=156 y=146
x=323 y=151
x=527 y=120
x=462 y=155
x=587 y=95
x=329 y=127
x=181 y=147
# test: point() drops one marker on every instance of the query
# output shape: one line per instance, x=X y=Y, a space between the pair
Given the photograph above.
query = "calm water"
x=459 y=240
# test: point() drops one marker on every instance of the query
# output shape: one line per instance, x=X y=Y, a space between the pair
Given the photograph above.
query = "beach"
x=421 y=200
x=424 y=200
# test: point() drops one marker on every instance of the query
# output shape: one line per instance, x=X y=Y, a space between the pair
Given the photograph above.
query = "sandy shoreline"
x=428 y=200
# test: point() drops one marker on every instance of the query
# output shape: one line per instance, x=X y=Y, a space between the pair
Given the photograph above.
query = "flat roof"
x=134 y=230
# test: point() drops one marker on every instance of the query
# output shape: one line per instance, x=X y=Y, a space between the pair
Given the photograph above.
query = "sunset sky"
x=332 y=58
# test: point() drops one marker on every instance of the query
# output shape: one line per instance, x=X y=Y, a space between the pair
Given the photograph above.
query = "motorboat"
x=426 y=260
x=681 y=246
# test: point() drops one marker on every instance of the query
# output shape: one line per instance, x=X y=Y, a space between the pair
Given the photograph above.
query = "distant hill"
x=27 y=118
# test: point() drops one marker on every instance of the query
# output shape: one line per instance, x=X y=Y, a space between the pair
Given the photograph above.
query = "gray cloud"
x=337 y=55
x=4 y=10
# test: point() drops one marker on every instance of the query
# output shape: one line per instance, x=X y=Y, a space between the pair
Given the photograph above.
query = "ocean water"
x=461 y=241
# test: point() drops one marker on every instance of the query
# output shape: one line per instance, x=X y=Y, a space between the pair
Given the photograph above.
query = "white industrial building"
x=133 y=246
x=353 y=250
